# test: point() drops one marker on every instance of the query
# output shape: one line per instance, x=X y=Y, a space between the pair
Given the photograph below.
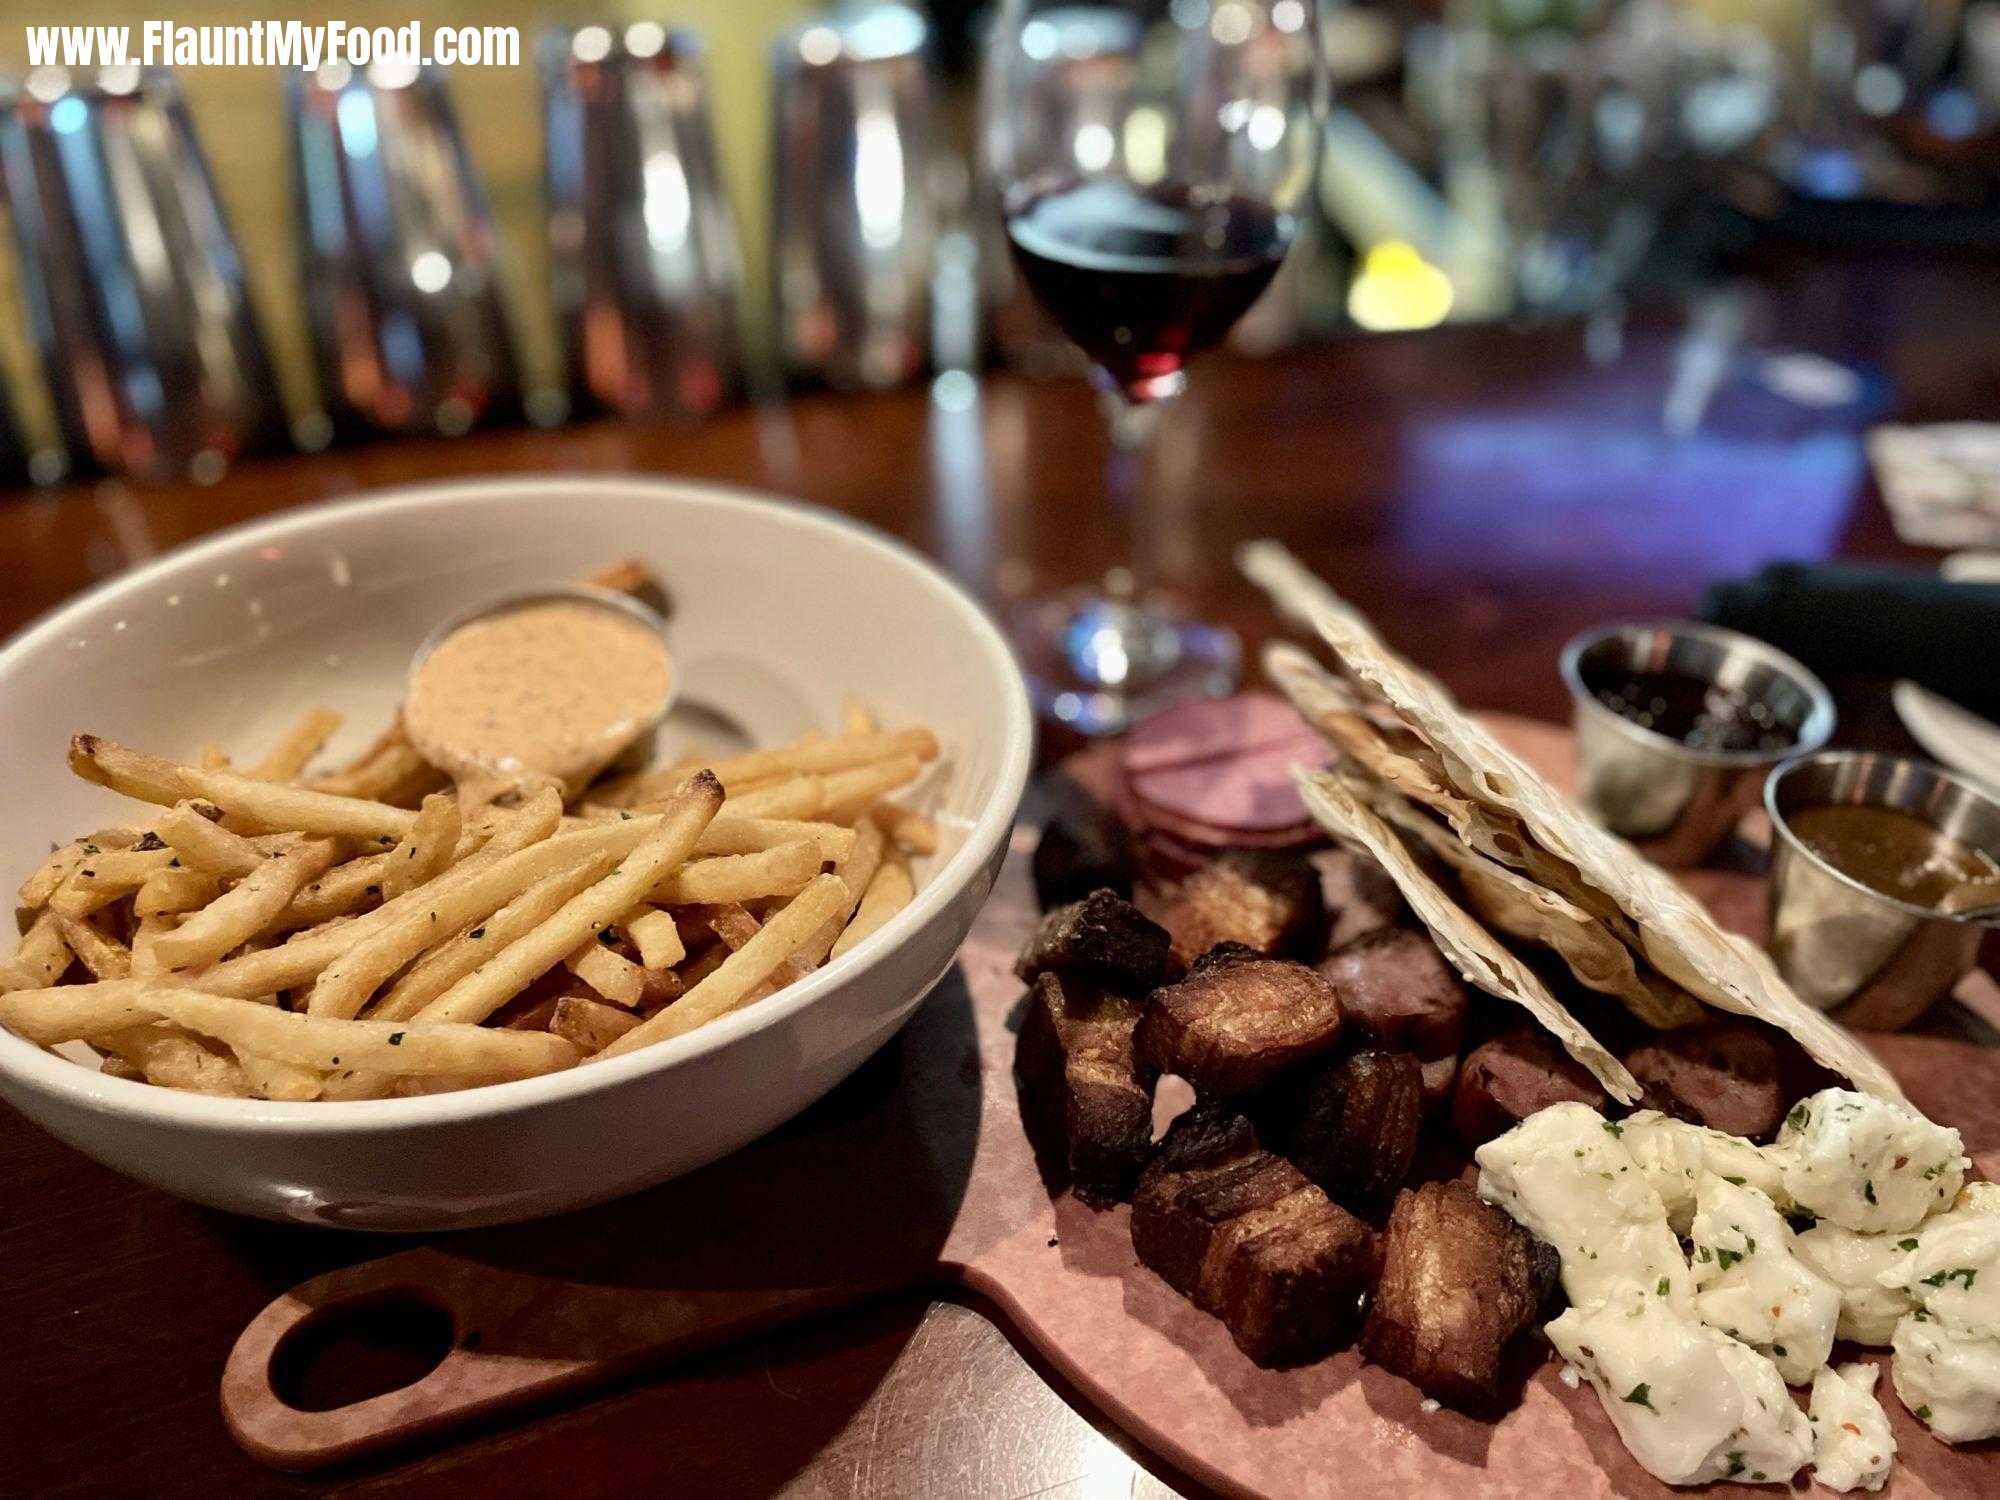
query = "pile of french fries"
x=264 y=933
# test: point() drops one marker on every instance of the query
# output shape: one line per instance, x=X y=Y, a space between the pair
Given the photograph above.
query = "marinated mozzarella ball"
x=1674 y=1153
x=1853 y=1447
x=1854 y=1263
x=1750 y=1284
x=1865 y=1163
x=1691 y=1404
x=1951 y=1384
x=1953 y=1268
x=1564 y=1176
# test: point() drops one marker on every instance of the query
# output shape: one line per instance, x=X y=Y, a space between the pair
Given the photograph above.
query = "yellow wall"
x=238 y=113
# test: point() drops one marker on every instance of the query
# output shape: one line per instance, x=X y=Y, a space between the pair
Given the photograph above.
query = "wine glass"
x=1150 y=158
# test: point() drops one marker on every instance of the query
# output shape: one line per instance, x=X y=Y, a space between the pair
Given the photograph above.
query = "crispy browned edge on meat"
x=1243 y=1235
x=1102 y=937
x=1086 y=1099
x=1268 y=901
x=1459 y=1280
x=1083 y=848
x=1238 y=1021
x=1351 y=1125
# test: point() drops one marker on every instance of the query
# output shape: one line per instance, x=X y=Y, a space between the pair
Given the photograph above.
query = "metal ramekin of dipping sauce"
x=1675 y=800
x=1837 y=940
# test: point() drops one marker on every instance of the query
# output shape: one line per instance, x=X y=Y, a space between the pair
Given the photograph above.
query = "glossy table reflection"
x=1483 y=494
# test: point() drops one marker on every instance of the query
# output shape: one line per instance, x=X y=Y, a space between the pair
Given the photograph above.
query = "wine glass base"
x=1100 y=664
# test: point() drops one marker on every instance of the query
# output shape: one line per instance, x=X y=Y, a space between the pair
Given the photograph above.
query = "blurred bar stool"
x=399 y=255
x=644 y=268
x=854 y=221
x=135 y=293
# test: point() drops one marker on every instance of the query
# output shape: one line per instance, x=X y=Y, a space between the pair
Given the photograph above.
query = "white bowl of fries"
x=273 y=963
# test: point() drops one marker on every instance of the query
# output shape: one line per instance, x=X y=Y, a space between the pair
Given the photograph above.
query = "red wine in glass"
x=1143 y=279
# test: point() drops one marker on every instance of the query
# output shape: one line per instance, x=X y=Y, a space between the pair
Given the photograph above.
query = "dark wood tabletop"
x=1481 y=493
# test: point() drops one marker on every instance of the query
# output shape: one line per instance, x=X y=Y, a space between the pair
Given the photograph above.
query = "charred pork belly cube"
x=1237 y=1021
x=1520 y=1071
x=1085 y=1098
x=1351 y=1126
x=1084 y=848
x=1267 y=901
x=1241 y=1234
x=1102 y=937
x=1728 y=1075
x=1459 y=1280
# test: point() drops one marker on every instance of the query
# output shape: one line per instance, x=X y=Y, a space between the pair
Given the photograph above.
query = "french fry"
x=909 y=830
x=656 y=935
x=246 y=909
x=268 y=1078
x=261 y=804
x=740 y=877
x=146 y=934
x=190 y=829
x=870 y=843
x=888 y=893
x=733 y=835
x=590 y=1024
x=767 y=770
x=855 y=872
x=744 y=970
x=428 y=846
x=586 y=914
x=214 y=757
x=171 y=891
x=364 y=882
x=387 y=1046
x=453 y=902
x=441 y=968
x=732 y=924
x=168 y=1056
x=357 y=1083
x=296 y=748
x=612 y=975
x=63 y=861
x=799 y=797
x=103 y=878
x=74 y=1012
x=391 y=763
x=855 y=717
x=308 y=953
x=40 y=959
x=103 y=955
x=850 y=793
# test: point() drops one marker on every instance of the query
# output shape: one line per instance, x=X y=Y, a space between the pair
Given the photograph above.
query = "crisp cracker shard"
x=1524 y=822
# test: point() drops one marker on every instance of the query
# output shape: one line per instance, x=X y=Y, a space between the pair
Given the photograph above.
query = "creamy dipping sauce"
x=548 y=691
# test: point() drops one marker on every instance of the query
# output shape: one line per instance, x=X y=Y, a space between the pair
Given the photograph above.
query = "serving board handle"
x=517 y=1340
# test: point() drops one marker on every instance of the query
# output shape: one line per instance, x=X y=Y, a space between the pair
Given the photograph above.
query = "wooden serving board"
x=915 y=1173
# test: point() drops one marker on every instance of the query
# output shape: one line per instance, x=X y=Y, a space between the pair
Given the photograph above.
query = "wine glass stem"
x=1126 y=484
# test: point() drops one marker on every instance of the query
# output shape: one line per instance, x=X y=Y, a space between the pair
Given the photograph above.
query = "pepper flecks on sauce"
x=552 y=691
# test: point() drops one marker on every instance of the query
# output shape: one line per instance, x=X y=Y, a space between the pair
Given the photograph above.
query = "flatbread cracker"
x=1674 y=931
x=1474 y=952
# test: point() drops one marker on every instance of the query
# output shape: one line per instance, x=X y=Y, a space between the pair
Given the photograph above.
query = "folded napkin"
x=1843 y=620
x=1941 y=483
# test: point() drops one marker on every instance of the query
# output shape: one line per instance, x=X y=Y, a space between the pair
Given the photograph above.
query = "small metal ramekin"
x=1676 y=802
x=1839 y=942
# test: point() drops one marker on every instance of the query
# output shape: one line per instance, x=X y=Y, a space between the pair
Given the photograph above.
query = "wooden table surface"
x=1482 y=493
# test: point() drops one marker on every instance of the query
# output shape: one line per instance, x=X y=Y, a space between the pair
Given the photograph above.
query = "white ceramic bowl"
x=779 y=612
